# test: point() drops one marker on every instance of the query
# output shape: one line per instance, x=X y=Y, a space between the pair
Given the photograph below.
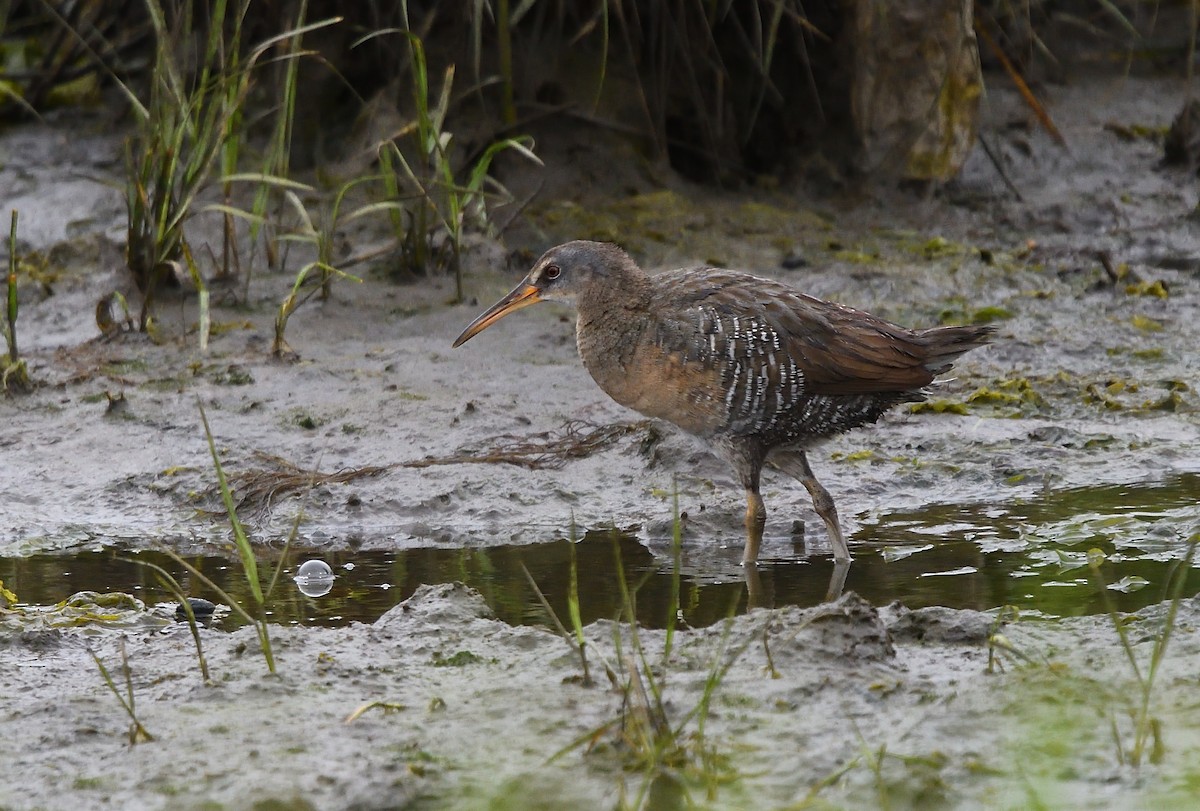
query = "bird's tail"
x=944 y=345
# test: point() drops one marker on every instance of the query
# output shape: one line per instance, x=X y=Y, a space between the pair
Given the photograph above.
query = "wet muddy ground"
x=1077 y=429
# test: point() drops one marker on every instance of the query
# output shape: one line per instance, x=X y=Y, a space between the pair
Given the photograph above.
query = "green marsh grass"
x=676 y=565
x=999 y=644
x=320 y=235
x=1147 y=742
x=191 y=122
x=670 y=753
x=578 y=647
x=15 y=375
x=178 y=134
x=1133 y=719
x=172 y=585
x=137 y=732
x=575 y=639
x=276 y=159
x=10 y=322
x=573 y=607
x=255 y=613
x=669 y=750
x=428 y=178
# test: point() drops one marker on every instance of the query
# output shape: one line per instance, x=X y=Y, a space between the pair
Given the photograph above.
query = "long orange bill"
x=522 y=295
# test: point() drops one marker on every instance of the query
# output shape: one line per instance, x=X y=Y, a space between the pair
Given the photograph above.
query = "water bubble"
x=314 y=578
x=315 y=568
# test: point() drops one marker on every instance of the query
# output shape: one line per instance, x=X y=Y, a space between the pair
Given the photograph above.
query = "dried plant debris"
x=575 y=439
x=260 y=488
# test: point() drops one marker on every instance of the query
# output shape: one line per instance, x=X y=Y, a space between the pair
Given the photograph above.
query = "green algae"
x=7 y=597
x=460 y=659
x=1119 y=394
x=863 y=455
x=1145 y=323
x=940 y=407
x=1014 y=392
x=645 y=222
x=986 y=315
x=83 y=609
x=1156 y=289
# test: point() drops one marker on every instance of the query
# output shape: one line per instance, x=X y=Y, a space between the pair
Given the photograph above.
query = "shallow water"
x=1028 y=554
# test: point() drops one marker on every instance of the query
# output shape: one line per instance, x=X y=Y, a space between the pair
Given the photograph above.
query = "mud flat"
x=1090 y=383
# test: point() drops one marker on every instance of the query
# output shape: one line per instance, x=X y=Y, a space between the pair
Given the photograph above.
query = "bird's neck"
x=612 y=321
x=621 y=290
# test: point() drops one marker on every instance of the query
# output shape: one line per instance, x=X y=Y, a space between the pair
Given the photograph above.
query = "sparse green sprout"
x=320 y=236
x=1147 y=741
x=15 y=375
x=172 y=585
x=137 y=732
x=667 y=748
x=418 y=167
x=246 y=555
x=575 y=640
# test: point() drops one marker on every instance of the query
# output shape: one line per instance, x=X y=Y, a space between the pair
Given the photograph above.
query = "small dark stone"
x=203 y=609
x=794 y=260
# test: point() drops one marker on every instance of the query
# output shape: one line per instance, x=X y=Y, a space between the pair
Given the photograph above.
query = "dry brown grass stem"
x=260 y=488
x=551 y=450
x=1019 y=82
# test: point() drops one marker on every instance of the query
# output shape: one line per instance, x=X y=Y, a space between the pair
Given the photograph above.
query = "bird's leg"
x=756 y=519
x=823 y=504
x=754 y=591
x=837 y=580
x=747 y=457
x=795 y=464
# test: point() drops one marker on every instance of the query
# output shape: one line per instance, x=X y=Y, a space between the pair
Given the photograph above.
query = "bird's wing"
x=719 y=314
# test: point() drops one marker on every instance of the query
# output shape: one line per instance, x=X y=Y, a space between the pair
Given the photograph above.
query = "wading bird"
x=750 y=365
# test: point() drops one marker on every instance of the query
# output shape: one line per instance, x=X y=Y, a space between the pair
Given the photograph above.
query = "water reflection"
x=1031 y=555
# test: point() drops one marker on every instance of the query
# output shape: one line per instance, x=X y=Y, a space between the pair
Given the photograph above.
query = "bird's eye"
x=551 y=272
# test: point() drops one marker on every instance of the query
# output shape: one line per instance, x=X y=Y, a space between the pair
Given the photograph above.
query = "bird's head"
x=564 y=273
